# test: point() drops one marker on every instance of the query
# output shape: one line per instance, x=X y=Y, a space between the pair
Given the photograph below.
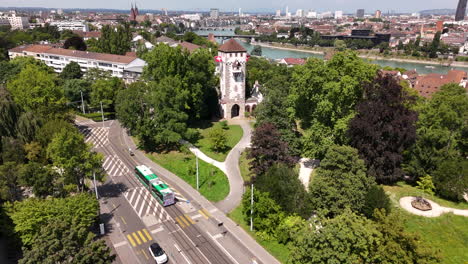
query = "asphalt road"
x=134 y=219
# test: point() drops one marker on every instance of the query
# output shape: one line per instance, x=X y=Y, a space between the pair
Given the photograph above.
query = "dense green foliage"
x=382 y=136
x=114 y=40
x=71 y=71
x=340 y=182
x=323 y=97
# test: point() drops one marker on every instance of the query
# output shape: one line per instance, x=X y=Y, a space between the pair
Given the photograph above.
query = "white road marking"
x=225 y=251
x=196 y=216
x=123 y=243
x=133 y=194
x=157 y=230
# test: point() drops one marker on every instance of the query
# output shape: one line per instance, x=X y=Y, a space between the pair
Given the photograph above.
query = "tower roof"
x=232 y=46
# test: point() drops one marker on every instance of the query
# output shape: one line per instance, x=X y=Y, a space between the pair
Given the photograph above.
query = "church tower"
x=232 y=59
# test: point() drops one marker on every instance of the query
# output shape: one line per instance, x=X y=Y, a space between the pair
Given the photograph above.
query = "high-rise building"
x=360 y=13
x=287 y=10
x=214 y=13
x=378 y=14
x=299 y=13
x=461 y=10
x=240 y=12
x=278 y=13
x=338 y=14
x=311 y=14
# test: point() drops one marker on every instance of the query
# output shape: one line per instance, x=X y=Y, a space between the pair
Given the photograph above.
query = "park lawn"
x=279 y=251
x=244 y=167
x=448 y=232
x=402 y=189
x=214 y=185
x=233 y=135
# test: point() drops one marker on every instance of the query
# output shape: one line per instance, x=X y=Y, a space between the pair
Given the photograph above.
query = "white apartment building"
x=299 y=13
x=70 y=25
x=338 y=14
x=128 y=68
x=16 y=22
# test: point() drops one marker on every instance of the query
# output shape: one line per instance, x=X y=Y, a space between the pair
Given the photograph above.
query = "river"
x=273 y=53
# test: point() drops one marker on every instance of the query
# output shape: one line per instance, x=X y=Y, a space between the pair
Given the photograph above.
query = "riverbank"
x=369 y=57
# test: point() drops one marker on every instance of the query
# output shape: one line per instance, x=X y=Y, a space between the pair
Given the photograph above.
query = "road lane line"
x=206 y=212
x=129 y=237
x=196 y=216
x=186 y=259
x=202 y=213
x=148 y=210
x=123 y=220
x=185 y=221
x=133 y=194
x=157 y=230
x=147 y=234
x=190 y=219
x=136 y=238
x=123 y=243
x=142 y=236
x=180 y=222
x=225 y=251
x=137 y=200
x=144 y=253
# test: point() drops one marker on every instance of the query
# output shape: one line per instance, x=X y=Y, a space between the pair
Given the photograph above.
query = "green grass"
x=244 y=167
x=214 y=185
x=402 y=189
x=279 y=251
x=448 y=232
x=233 y=134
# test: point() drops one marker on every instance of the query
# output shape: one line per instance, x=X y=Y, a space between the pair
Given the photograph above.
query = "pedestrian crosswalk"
x=204 y=213
x=139 y=237
x=115 y=166
x=144 y=204
x=184 y=220
x=99 y=136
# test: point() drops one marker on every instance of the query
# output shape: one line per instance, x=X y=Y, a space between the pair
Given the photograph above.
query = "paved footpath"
x=230 y=166
x=437 y=210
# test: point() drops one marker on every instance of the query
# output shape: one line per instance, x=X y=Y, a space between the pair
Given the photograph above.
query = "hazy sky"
x=228 y=5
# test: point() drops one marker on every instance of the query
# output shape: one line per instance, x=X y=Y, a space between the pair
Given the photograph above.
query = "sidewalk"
x=230 y=166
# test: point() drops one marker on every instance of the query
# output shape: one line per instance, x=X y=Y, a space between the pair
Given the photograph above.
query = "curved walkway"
x=230 y=166
x=437 y=210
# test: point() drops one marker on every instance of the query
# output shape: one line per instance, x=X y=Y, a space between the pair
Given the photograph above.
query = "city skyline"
x=205 y=5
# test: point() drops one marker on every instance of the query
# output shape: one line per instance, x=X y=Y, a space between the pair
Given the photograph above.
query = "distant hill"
x=438 y=12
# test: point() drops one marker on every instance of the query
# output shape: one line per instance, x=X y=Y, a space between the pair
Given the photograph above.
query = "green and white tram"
x=157 y=187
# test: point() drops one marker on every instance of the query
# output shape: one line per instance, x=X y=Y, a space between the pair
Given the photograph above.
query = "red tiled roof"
x=88 y=34
x=231 y=46
x=189 y=46
x=294 y=61
x=75 y=53
x=428 y=84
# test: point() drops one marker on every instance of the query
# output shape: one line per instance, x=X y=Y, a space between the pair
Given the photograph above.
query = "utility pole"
x=251 y=208
x=196 y=158
x=102 y=114
x=95 y=186
x=82 y=102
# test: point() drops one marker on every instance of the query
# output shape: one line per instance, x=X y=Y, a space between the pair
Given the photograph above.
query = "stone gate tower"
x=232 y=59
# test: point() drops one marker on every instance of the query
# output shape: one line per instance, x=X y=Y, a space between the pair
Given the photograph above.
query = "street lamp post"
x=82 y=102
x=95 y=186
x=102 y=114
x=251 y=208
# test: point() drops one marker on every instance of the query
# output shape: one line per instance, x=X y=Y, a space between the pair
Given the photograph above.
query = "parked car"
x=158 y=253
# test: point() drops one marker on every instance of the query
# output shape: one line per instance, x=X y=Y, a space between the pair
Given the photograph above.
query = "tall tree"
x=268 y=149
x=340 y=182
x=9 y=114
x=442 y=131
x=323 y=97
x=347 y=238
x=286 y=189
x=35 y=90
x=451 y=179
x=383 y=128
x=105 y=91
x=130 y=105
x=75 y=42
x=74 y=158
x=60 y=242
x=9 y=185
x=71 y=71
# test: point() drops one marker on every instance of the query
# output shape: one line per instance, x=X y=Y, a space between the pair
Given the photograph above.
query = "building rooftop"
x=75 y=53
x=232 y=46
